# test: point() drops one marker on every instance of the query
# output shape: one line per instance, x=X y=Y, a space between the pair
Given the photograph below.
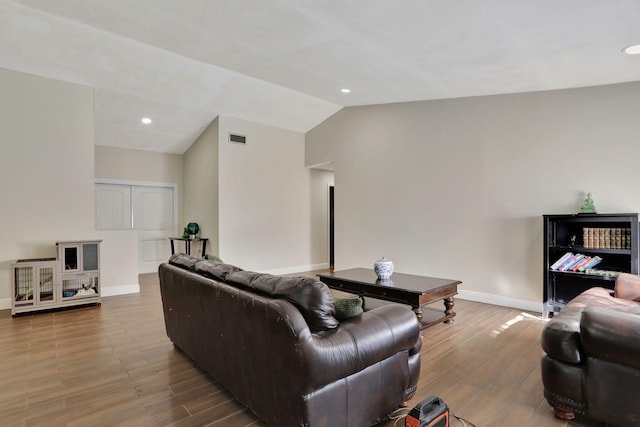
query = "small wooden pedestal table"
x=416 y=291
x=187 y=244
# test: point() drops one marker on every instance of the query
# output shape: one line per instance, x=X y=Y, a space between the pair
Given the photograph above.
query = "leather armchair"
x=591 y=364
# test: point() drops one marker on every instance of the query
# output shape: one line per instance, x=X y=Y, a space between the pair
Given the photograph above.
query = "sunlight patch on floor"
x=519 y=318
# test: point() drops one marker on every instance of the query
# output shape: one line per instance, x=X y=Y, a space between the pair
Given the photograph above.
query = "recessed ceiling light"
x=632 y=50
x=146 y=120
x=345 y=90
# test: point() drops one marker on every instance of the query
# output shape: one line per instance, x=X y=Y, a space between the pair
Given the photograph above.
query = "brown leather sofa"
x=591 y=364
x=274 y=343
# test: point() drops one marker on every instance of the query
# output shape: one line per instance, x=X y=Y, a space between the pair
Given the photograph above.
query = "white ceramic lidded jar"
x=383 y=268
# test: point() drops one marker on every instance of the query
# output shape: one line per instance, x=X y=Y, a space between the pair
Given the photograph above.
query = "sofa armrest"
x=627 y=287
x=361 y=342
x=611 y=335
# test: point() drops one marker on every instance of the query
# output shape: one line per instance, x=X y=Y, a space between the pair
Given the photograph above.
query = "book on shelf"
x=583 y=262
x=592 y=263
x=606 y=237
x=594 y=272
x=562 y=259
x=575 y=260
x=564 y=264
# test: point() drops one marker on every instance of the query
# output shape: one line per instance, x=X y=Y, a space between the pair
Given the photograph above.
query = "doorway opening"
x=331 y=229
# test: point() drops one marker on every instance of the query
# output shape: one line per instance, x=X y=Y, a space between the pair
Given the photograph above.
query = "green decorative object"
x=588 y=206
x=185 y=234
x=213 y=258
x=193 y=228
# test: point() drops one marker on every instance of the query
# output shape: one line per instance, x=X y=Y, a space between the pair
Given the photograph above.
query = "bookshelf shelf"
x=611 y=237
x=591 y=250
x=584 y=275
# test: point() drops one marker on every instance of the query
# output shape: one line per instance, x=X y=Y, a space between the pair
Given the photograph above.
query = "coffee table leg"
x=418 y=311
x=448 y=309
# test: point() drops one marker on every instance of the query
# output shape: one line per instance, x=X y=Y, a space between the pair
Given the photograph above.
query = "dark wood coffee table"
x=416 y=291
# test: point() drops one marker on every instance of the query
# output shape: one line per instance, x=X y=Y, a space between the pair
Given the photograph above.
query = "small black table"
x=187 y=244
x=416 y=291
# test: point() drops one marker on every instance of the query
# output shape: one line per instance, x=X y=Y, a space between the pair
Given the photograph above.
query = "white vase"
x=383 y=268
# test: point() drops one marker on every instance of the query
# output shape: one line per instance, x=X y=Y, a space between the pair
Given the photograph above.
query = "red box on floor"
x=431 y=412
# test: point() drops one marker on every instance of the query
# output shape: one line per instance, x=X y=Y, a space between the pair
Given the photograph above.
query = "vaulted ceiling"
x=284 y=63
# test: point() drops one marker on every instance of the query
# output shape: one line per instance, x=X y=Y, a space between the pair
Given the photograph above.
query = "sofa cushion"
x=348 y=306
x=312 y=298
x=628 y=287
x=184 y=261
x=244 y=278
x=215 y=270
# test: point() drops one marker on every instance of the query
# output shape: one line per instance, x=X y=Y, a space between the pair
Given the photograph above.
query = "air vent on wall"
x=238 y=139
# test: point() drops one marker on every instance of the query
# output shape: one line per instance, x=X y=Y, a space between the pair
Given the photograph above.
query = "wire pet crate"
x=79 y=286
x=33 y=278
x=70 y=279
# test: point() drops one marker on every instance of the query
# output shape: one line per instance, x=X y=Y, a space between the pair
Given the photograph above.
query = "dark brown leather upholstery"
x=258 y=345
x=591 y=364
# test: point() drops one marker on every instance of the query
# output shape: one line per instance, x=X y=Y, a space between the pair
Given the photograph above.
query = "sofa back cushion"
x=215 y=270
x=312 y=298
x=184 y=261
x=212 y=269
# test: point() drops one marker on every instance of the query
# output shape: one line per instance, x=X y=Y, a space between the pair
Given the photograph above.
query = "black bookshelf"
x=566 y=233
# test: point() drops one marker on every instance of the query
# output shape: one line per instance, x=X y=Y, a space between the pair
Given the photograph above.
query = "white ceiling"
x=283 y=63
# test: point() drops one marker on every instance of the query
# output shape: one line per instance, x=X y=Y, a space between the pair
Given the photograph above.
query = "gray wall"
x=265 y=200
x=47 y=174
x=201 y=186
x=456 y=188
x=258 y=204
x=46 y=166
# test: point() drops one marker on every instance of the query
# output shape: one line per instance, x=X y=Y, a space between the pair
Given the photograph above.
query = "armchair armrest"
x=611 y=335
x=561 y=336
x=361 y=342
x=627 y=287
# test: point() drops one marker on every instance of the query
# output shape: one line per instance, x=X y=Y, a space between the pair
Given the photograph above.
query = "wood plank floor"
x=114 y=366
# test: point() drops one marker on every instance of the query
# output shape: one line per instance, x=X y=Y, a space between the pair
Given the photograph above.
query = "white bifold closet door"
x=147 y=209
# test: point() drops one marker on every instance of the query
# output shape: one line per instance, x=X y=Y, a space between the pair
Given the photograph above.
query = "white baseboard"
x=517 y=303
x=298 y=269
x=111 y=291
x=520 y=304
x=5 y=304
